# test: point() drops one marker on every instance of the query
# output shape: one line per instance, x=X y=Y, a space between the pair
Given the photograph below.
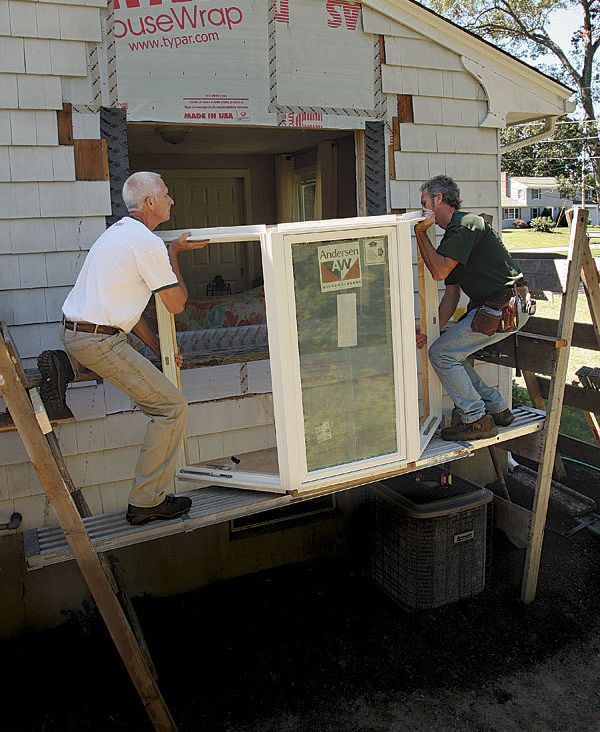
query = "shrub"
x=542 y=223
x=520 y=224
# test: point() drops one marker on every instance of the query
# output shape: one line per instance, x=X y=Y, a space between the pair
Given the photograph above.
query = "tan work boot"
x=478 y=430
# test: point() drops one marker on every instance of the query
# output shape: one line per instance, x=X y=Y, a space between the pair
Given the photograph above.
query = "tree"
x=560 y=156
x=520 y=27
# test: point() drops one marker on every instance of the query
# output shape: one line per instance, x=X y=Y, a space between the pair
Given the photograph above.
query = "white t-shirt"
x=125 y=265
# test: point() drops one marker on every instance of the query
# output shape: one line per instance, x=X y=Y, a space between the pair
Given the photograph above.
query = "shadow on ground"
x=310 y=647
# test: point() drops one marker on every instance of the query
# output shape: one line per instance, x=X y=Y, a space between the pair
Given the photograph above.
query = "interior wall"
x=261 y=167
x=262 y=182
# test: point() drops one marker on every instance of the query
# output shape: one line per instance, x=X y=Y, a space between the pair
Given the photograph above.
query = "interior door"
x=203 y=203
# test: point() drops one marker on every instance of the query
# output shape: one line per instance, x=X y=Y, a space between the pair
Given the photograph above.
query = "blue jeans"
x=448 y=355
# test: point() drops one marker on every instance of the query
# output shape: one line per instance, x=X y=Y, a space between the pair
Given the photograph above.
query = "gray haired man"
x=125 y=266
x=471 y=257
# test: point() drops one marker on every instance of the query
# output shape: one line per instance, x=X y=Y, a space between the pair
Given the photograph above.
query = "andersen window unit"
x=353 y=400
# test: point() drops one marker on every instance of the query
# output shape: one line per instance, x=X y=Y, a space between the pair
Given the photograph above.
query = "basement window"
x=284 y=517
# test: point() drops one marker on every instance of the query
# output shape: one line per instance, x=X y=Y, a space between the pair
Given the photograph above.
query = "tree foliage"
x=560 y=156
x=521 y=28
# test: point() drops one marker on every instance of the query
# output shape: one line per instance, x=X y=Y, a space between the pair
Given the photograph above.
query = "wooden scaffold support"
x=32 y=423
x=579 y=264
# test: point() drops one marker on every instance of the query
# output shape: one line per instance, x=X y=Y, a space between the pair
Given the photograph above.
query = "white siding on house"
x=101 y=451
x=445 y=138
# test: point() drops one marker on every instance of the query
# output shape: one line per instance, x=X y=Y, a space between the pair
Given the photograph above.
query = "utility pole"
x=583 y=176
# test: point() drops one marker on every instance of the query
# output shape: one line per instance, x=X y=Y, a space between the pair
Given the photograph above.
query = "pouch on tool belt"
x=487 y=320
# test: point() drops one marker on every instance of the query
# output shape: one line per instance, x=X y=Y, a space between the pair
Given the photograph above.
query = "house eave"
x=466 y=43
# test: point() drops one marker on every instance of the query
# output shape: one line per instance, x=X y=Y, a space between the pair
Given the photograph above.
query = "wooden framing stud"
x=405 y=108
x=65 y=124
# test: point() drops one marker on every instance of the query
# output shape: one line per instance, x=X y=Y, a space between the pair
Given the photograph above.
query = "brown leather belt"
x=90 y=328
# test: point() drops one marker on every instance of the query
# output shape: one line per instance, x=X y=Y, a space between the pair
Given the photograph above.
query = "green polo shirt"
x=484 y=266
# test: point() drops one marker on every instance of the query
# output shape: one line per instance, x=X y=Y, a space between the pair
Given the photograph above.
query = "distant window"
x=535 y=212
x=536 y=193
x=511 y=213
x=521 y=193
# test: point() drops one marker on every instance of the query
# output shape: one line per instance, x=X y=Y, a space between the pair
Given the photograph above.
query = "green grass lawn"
x=529 y=239
x=573 y=422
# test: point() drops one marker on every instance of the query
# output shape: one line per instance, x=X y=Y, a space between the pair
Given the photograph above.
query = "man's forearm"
x=448 y=305
x=174 y=259
x=144 y=332
x=439 y=266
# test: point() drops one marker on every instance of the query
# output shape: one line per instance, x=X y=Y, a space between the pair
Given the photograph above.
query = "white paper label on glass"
x=346 y=320
x=374 y=250
x=323 y=432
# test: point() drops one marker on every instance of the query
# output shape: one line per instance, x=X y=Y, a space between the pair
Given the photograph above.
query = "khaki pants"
x=112 y=358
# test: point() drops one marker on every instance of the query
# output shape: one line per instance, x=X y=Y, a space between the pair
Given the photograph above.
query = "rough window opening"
x=228 y=176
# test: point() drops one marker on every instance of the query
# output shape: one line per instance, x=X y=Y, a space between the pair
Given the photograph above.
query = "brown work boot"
x=57 y=372
x=504 y=418
x=171 y=508
x=478 y=430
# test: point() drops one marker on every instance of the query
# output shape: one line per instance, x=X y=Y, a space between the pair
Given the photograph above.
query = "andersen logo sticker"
x=339 y=266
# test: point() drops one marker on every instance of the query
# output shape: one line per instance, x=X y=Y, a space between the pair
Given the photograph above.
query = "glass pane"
x=343 y=313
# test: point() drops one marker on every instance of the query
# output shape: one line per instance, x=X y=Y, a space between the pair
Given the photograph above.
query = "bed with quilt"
x=221 y=327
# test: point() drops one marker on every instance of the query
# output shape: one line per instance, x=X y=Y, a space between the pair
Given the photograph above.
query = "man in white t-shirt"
x=125 y=266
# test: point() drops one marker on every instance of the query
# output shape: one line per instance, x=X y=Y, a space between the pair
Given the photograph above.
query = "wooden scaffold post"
x=578 y=244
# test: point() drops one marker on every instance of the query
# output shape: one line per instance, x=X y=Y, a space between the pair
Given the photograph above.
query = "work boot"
x=503 y=418
x=478 y=430
x=171 y=508
x=56 y=371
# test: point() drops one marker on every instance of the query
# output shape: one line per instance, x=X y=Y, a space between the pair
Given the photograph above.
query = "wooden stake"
x=499 y=473
x=591 y=285
x=88 y=561
x=554 y=407
x=594 y=424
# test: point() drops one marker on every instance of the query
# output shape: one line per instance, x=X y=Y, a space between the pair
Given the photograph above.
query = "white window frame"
x=537 y=210
x=276 y=246
x=510 y=212
x=536 y=194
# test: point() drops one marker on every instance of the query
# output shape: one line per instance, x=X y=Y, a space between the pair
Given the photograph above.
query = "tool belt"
x=500 y=314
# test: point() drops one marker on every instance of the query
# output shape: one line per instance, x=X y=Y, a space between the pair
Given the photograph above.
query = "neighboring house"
x=593 y=212
x=253 y=113
x=528 y=197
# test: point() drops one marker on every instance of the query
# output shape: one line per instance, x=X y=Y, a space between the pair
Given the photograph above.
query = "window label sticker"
x=339 y=266
x=374 y=250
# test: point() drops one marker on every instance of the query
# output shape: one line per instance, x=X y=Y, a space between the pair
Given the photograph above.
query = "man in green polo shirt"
x=472 y=258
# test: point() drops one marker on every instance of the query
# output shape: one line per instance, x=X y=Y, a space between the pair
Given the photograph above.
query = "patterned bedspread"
x=203 y=313
x=217 y=326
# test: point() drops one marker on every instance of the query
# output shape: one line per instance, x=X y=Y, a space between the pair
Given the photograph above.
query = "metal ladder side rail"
x=102 y=579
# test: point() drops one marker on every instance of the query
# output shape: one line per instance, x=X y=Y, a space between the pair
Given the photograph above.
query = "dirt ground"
x=318 y=647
